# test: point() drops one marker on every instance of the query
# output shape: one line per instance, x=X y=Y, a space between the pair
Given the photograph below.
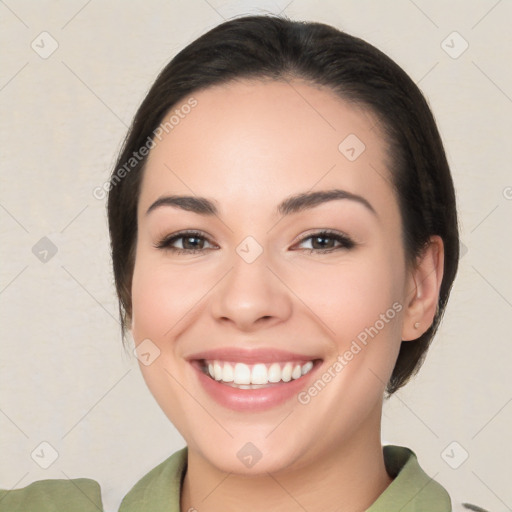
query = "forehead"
x=255 y=141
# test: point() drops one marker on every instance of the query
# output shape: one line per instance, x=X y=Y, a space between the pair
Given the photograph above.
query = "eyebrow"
x=293 y=204
x=306 y=200
x=199 y=205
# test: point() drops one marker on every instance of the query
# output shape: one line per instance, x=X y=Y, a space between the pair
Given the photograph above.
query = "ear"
x=422 y=290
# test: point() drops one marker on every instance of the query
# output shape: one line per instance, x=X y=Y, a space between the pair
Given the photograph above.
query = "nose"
x=251 y=296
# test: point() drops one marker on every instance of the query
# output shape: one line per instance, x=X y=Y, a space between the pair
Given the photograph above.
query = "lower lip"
x=253 y=399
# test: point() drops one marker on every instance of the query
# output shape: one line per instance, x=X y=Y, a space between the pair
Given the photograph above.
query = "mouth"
x=253 y=380
x=260 y=375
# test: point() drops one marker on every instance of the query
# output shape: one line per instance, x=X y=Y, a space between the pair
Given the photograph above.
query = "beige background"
x=64 y=376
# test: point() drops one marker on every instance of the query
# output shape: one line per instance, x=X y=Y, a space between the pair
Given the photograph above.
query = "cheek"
x=352 y=296
x=163 y=300
x=163 y=296
x=360 y=305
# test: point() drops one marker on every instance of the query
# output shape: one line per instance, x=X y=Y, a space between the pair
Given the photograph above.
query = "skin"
x=247 y=146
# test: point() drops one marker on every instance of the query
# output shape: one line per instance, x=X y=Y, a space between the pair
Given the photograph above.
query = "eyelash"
x=343 y=240
x=166 y=243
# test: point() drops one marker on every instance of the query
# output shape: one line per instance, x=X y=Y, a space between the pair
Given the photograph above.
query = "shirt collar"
x=412 y=490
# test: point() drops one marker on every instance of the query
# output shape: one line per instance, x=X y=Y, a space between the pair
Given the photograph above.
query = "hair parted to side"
x=270 y=47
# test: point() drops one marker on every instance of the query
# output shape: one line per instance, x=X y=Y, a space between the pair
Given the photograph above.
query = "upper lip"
x=257 y=355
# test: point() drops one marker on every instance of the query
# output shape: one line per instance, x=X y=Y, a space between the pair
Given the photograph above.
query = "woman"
x=284 y=240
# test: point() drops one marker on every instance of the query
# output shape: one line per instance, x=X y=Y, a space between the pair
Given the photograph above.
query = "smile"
x=245 y=376
x=253 y=380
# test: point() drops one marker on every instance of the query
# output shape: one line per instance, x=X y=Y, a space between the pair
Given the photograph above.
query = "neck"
x=348 y=478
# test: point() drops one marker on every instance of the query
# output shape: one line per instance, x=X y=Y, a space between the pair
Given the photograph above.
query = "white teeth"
x=286 y=374
x=307 y=367
x=244 y=376
x=217 y=371
x=274 y=373
x=228 y=375
x=259 y=374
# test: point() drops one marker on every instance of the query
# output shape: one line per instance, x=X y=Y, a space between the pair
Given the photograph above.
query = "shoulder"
x=159 y=489
x=413 y=489
x=75 y=495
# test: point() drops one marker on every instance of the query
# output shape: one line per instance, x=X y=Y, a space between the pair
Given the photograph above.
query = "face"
x=270 y=252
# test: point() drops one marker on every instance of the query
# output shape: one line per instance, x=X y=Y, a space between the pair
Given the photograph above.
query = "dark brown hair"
x=268 y=47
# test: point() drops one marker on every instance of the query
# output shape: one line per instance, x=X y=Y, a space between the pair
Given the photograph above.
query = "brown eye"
x=323 y=242
x=326 y=242
x=191 y=242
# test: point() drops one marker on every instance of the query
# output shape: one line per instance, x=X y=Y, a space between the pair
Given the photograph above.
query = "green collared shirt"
x=412 y=490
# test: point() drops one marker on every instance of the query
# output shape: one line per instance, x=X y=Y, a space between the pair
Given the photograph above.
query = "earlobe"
x=423 y=287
